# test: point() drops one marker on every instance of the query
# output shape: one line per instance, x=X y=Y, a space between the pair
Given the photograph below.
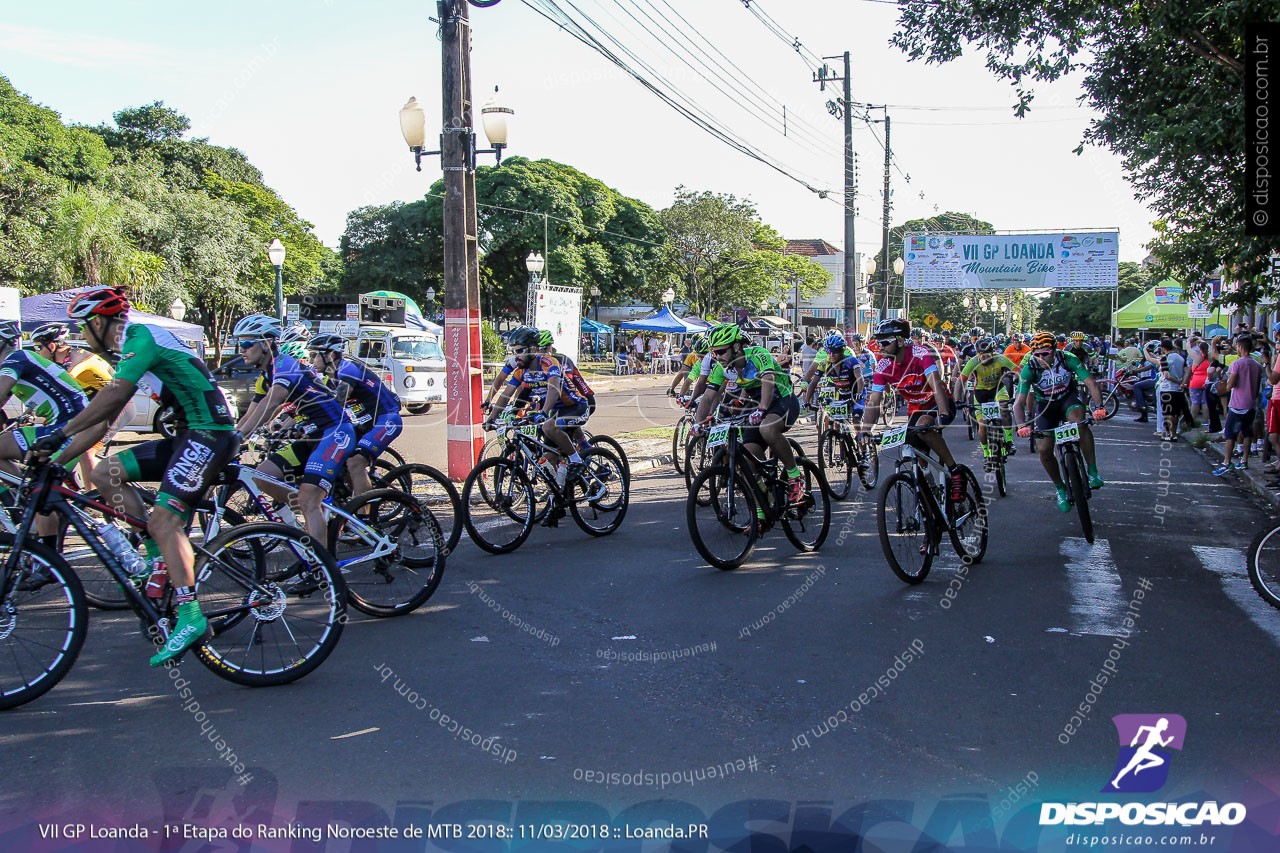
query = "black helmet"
x=975 y=332
x=984 y=344
x=895 y=327
x=525 y=336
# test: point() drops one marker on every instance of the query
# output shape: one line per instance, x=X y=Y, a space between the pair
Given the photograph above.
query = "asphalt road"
x=549 y=655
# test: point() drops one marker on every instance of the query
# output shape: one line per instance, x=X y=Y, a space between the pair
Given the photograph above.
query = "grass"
x=652 y=432
x=1198 y=440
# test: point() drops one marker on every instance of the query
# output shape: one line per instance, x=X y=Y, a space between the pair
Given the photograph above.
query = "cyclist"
x=1081 y=349
x=838 y=367
x=948 y=353
x=1053 y=375
x=328 y=435
x=697 y=350
x=987 y=372
x=374 y=408
x=1016 y=350
x=185 y=465
x=561 y=409
x=913 y=371
x=758 y=378
x=1060 y=341
x=834 y=351
x=44 y=387
x=568 y=369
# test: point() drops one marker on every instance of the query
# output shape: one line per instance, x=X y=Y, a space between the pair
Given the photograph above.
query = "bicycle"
x=995 y=453
x=1071 y=467
x=913 y=509
x=499 y=501
x=680 y=437
x=265 y=630
x=1264 y=565
x=839 y=454
x=746 y=496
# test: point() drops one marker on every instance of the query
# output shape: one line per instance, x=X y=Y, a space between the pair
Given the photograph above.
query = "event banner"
x=1075 y=261
x=560 y=310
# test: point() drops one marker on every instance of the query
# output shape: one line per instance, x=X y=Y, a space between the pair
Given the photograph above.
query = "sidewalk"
x=1252 y=479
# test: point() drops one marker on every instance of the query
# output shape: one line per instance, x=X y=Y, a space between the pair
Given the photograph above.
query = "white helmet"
x=296 y=332
x=257 y=326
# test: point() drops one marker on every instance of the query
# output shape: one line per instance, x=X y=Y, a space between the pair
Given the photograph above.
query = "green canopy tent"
x=1151 y=310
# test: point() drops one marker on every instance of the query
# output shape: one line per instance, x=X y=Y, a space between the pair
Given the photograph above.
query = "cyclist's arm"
x=103 y=408
x=699 y=386
x=6 y=388
x=939 y=392
x=682 y=375
x=553 y=395
x=263 y=410
x=708 y=402
x=1020 y=409
x=767 y=388
x=871 y=411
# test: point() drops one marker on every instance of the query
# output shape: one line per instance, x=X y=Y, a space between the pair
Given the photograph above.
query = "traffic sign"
x=1275 y=267
x=931 y=321
x=946 y=327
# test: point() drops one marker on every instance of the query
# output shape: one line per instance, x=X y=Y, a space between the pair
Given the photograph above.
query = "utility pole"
x=844 y=109
x=461 y=260
x=886 y=265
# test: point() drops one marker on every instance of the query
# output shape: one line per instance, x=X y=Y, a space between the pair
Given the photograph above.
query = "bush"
x=491 y=345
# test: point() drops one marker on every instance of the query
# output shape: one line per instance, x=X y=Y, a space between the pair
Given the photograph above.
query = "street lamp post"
x=870 y=268
x=595 y=295
x=178 y=309
x=276 y=252
x=461 y=258
x=898 y=267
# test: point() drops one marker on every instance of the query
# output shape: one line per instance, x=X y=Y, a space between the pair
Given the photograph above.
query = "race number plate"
x=1066 y=433
x=718 y=436
x=530 y=430
x=838 y=410
x=893 y=438
x=991 y=411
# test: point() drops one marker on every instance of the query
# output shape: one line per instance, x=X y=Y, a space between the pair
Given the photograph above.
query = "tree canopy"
x=1166 y=77
x=1063 y=311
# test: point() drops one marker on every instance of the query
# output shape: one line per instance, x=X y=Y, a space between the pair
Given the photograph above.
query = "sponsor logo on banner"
x=1070 y=242
x=917 y=244
x=1142 y=767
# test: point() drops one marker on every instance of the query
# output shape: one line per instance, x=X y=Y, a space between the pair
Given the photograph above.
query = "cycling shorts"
x=788 y=408
x=1051 y=413
x=570 y=416
x=379 y=435
x=185 y=466
x=319 y=461
x=982 y=395
x=26 y=436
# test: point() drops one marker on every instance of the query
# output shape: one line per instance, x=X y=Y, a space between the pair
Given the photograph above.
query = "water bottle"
x=545 y=466
x=156 y=583
x=118 y=545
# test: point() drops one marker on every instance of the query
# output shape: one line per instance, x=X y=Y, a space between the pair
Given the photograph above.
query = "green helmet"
x=544 y=338
x=700 y=345
x=723 y=336
x=297 y=349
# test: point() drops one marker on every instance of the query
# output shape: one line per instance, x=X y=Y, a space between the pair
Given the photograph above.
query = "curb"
x=1252 y=480
x=644 y=463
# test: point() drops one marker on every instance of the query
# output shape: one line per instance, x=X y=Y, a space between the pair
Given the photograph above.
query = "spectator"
x=807 y=354
x=1173 y=400
x=1144 y=388
x=1214 y=397
x=638 y=344
x=1198 y=378
x=656 y=353
x=1243 y=377
x=1273 y=406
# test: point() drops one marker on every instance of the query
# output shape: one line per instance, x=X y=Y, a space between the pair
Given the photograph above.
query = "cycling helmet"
x=1026 y=338
x=1044 y=340
x=917 y=334
x=723 y=336
x=9 y=332
x=984 y=344
x=295 y=333
x=525 y=336
x=327 y=343
x=1077 y=336
x=937 y=337
x=106 y=301
x=834 y=341
x=856 y=338
x=1000 y=339
x=895 y=327
x=50 y=332
x=975 y=332
x=257 y=326
x=699 y=344
x=297 y=349
x=545 y=338
x=1152 y=346
x=1061 y=339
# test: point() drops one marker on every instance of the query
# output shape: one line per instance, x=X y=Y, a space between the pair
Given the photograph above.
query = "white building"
x=828 y=305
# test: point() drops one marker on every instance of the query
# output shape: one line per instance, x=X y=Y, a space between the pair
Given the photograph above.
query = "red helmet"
x=107 y=301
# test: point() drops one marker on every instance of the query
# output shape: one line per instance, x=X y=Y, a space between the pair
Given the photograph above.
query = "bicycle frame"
x=925 y=464
x=733 y=449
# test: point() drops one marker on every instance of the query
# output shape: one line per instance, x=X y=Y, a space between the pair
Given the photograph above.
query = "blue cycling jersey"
x=369 y=396
x=315 y=406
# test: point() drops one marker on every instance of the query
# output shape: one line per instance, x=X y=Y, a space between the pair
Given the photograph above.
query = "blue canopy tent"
x=52 y=307
x=662 y=321
x=598 y=331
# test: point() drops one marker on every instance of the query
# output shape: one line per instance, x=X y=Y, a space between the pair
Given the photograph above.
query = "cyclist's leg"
x=932 y=439
x=1076 y=415
x=322 y=469
x=369 y=447
x=1051 y=414
x=782 y=413
x=981 y=396
x=286 y=463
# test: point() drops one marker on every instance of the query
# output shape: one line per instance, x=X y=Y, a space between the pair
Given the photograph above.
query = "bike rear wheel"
x=275 y=601
x=609 y=443
x=806 y=525
x=969 y=529
x=724 y=535
x=1076 y=488
x=696 y=459
x=598 y=500
x=42 y=627
x=679 y=442
x=1110 y=398
x=1264 y=565
x=906 y=531
x=437 y=494
x=396 y=583
x=498 y=505
x=835 y=458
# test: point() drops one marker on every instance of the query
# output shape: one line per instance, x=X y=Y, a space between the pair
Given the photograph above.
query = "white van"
x=411 y=363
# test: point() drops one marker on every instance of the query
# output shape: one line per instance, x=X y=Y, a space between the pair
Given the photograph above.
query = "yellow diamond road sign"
x=931 y=321
x=946 y=327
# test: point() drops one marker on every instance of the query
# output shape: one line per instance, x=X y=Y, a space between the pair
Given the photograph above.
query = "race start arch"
x=1084 y=260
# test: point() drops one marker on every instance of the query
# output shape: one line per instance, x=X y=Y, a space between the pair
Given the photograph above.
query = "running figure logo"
x=1145 y=741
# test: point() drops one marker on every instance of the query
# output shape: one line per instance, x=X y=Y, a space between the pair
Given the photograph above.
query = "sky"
x=311 y=92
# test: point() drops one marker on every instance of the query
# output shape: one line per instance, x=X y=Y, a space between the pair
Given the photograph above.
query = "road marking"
x=1095 y=585
x=1231 y=568
x=132 y=700
x=353 y=734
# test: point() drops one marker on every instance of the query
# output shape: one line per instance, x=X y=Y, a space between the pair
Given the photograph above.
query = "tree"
x=1167 y=79
x=150 y=125
x=385 y=247
x=1091 y=312
x=721 y=256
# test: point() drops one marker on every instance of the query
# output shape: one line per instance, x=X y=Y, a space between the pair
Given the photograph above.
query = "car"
x=237 y=381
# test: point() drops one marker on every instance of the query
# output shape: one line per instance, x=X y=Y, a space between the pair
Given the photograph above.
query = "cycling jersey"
x=708 y=363
x=150 y=351
x=537 y=376
x=1055 y=381
x=315 y=407
x=823 y=358
x=1016 y=352
x=44 y=386
x=569 y=369
x=691 y=359
x=368 y=398
x=987 y=376
x=909 y=376
x=748 y=377
x=92 y=374
x=843 y=374
x=1084 y=352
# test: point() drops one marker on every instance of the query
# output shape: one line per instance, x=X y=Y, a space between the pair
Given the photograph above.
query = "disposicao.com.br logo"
x=1142 y=767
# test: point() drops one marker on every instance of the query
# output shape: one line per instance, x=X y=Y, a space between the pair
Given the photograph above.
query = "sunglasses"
x=247 y=344
x=522 y=350
x=721 y=351
x=1043 y=353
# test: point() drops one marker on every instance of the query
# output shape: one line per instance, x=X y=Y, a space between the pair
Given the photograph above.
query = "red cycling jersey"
x=908 y=376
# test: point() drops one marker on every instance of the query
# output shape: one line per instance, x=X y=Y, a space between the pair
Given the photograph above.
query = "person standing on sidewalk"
x=1243 y=377
x=1273 y=407
x=1173 y=399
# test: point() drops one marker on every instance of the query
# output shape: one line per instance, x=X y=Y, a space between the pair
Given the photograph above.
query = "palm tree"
x=88 y=239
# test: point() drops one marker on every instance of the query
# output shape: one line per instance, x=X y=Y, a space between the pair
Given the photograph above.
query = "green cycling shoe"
x=1095 y=480
x=1064 y=500
x=190 y=630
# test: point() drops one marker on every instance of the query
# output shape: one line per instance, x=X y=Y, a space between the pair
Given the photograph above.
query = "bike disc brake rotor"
x=8 y=621
x=268 y=607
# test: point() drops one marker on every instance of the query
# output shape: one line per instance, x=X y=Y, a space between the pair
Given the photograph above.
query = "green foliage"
x=1091 y=312
x=720 y=256
x=490 y=343
x=1167 y=80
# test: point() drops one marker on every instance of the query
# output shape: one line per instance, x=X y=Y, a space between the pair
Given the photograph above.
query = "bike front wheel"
x=721 y=514
x=498 y=505
x=43 y=621
x=679 y=441
x=1264 y=565
x=1074 y=476
x=437 y=494
x=598 y=500
x=969 y=523
x=696 y=459
x=906 y=530
x=275 y=601
x=806 y=524
x=397 y=582
x=834 y=458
